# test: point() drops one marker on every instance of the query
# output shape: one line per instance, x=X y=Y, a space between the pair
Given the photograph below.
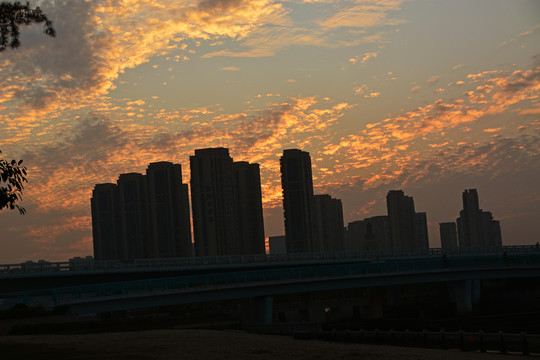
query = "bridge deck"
x=382 y=272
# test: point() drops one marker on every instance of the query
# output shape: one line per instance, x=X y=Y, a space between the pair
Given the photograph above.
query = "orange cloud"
x=63 y=173
x=364 y=14
x=372 y=95
x=47 y=234
x=492 y=130
x=387 y=148
x=363 y=58
x=533 y=111
x=99 y=40
x=434 y=79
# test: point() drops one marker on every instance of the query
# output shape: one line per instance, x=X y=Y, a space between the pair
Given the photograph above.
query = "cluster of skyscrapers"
x=148 y=216
x=314 y=223
x=474 y=228
x=405 y=229
x=142 y=216
x=402 y=228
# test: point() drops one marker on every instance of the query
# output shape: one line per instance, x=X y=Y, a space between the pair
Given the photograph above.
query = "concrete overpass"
x=38 y=275
x=212 y=282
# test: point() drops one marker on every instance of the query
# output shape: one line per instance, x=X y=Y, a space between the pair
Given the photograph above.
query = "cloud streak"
x=388 y=148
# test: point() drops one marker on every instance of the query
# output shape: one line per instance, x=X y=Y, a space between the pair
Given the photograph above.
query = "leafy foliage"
x=12 y=177
x=14 y=14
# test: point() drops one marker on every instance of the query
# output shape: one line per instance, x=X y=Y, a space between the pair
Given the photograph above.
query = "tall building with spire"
x=297 y=186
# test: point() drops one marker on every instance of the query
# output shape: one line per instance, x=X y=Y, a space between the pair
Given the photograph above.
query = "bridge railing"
x=58 y=296
x=87 y=264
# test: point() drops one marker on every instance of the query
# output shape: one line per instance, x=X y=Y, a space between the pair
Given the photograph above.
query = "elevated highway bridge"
x=118 y=286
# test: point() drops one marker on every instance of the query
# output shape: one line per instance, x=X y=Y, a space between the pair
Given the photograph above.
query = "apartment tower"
x=297 y=186
x=213 y=203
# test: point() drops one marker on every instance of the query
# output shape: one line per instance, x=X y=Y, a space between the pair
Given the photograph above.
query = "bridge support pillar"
x=466 y=292
x=261 y=309
x=476 y=284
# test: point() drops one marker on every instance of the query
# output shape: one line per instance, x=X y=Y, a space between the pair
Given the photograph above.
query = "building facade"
x=297 y=186
x=402 y=219
x=477 y=228
x=227 y=204
x=105 y=222
x=277 y=245
x=142 y=216
x=328 y=223
x=421 y=230
x=133 y=217
x=212 y=197
x=470 y=221
x=448 y=231
x=168 y=207
x=247 y=181
x=369 y=234
x=408 y=228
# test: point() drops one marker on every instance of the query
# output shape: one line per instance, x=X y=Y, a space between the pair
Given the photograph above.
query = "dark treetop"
x=12 y=15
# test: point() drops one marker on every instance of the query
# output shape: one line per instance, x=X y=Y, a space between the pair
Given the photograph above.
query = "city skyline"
x=431 y=97
x=135 y=218
x=228 y=219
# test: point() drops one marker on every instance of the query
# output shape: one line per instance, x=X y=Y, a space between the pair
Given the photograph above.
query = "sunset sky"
x=431 y=97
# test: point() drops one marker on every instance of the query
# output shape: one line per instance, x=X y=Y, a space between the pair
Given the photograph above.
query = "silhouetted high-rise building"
x=409 y=229
x=491 y=230
x=105 y=222
x=448 y=231
x=402 y=219
x=369 y=234
x=421 y=231
x=213 y=203
x=277 y=245
x=476 y=228
x=249 y=212
x=227 y=204
x=168 y=206
x=470 y=221
x=328 y=223
x=132 y=200
x=142 y=216
x=297 y=185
